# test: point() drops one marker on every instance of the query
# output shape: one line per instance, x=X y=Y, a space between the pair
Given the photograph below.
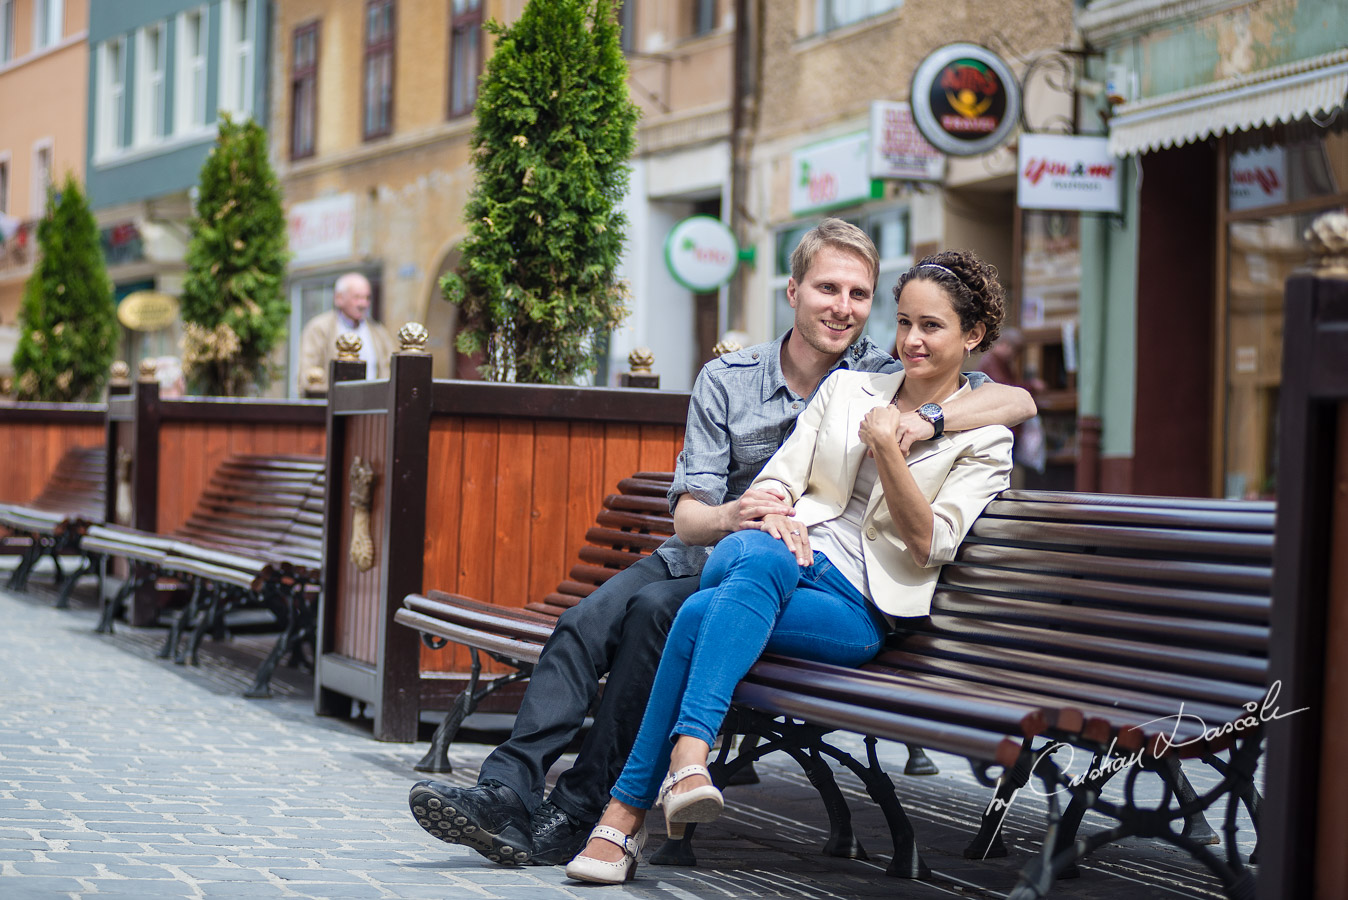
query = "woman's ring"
x=796 y=533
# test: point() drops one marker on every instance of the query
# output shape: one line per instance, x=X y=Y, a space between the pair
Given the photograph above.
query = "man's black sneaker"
x=490 y=818
x=557 y=835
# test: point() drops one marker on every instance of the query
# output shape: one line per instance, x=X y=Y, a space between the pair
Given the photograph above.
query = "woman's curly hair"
x=972 y=286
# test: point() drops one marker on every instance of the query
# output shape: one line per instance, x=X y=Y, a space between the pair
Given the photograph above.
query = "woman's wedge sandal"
x=598 y=871
x=701 y=804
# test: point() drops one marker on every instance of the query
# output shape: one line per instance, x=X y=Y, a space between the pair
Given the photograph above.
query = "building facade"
x=160 y=75
x=1230 y=119
x=372 y=121
x=43 y=60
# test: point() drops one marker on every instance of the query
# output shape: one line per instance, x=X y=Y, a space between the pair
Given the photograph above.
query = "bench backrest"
x=254 y=502
x=77 y=485
x=632 y=523
x=1107 y=601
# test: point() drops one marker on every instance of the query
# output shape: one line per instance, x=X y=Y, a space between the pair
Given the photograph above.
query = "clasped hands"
x=882 y=425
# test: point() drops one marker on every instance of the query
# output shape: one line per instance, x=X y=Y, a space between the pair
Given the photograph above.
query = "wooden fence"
x=482 y=489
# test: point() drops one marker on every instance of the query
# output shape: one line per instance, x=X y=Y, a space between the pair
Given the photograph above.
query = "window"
x=236 y=56
x=6 y=30
x=704 y=16
x=151 y=51
x=42 y=177
x=190 y=114
x=465 y=55
x=627 y=21
x=111 y=108
x=833 y=14
x=304 y=91
x=48 y=17
x=888 y=228
x=378 y=85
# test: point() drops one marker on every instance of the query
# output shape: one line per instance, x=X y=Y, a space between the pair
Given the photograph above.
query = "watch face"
x=929 y=411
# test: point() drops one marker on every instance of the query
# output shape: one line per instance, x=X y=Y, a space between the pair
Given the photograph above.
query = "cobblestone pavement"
x=124 y=775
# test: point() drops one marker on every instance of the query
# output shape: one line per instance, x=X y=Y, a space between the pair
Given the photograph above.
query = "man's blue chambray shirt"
x=740 y=413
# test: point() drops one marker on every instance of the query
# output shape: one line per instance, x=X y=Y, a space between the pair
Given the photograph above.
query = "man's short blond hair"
x=839 y=235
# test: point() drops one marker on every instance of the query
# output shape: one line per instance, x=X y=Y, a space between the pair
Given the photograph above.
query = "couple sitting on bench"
x=816 y=535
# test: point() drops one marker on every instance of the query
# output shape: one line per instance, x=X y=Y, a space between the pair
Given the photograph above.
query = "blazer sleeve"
x=788 y=471
x=981 y=471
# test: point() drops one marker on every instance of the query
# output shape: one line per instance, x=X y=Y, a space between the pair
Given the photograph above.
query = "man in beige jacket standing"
x=318 y=341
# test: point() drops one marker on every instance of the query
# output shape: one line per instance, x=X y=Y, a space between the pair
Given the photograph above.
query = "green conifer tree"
x=67 y=322
x=233 y=306
x=555 y=127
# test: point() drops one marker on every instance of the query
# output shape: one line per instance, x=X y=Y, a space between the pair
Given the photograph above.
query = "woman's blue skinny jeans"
x=755 y=597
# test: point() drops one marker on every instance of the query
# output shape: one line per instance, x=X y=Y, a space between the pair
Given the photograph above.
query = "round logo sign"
x=965 y=99
x=147 y=310
x=701 y=253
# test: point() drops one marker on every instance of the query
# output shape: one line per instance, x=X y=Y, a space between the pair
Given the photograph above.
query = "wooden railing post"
x=1304 y=819
x=145 y=481
x=346 y=367
x=403 y=540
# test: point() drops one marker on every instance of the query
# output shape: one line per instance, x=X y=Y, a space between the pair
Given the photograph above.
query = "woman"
x=868 y=534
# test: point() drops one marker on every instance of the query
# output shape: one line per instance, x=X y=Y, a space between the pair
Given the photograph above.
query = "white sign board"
x=1258 y=178
x=701 y=253
x=1059 y=171
x=832 y=174
x=898 y=149
x=323 y=229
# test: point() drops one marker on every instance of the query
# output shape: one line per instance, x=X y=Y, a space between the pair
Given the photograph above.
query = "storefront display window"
x=1274 y=191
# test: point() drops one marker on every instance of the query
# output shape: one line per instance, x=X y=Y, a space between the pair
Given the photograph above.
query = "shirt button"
x=755 y=356
x=871 y=533
x=795 y=406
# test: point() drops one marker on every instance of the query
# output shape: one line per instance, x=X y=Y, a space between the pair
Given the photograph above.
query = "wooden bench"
x=255 y=536
x=1067 y=620
x=52 y=522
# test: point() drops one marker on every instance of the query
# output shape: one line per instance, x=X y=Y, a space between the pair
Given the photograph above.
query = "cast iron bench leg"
x=211 y=611
x=18 y=579
x=88 y=567
x=261 y=688
x=112 y=607
x=436 y=760
x=988 y=843
x=919 y=763
x=1196 y=827
x=907 y=861
x=181 y=621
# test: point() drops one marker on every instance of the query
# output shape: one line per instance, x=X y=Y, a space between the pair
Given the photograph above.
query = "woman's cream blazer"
x=958 y=473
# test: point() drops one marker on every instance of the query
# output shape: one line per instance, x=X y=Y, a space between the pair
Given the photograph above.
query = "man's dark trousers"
x=618 y=630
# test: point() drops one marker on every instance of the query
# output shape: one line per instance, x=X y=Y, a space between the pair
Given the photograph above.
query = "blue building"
x=161 y=72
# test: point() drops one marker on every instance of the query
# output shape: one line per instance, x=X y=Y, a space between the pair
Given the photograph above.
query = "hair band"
x=936 y=266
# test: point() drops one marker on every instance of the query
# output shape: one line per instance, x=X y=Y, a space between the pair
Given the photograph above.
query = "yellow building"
x=372 y=115
x=43 y=73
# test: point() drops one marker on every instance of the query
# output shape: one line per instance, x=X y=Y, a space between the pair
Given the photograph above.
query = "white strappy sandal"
x=598 y=871
x=701 y=804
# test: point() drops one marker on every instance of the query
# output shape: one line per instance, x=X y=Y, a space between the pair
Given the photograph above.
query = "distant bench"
x=52 y=522
x=254 y=537
x=1067 y=619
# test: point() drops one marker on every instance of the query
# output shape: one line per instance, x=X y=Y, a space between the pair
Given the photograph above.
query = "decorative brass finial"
x=640 y=360
x=120 y=372
x=1328 y=237
x=6 y=385
x=348 y=347
x=315 y=379
x=148 y=367
x=726 y=345
x=413 y=337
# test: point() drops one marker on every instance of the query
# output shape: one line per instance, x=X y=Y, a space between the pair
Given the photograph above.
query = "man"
x=318 y=341
x=743 y=405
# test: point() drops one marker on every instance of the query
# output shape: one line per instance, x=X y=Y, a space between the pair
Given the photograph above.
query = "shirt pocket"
x=751 y=450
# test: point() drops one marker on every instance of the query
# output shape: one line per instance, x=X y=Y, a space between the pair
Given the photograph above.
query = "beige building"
x=43 y=83
x=372 y=116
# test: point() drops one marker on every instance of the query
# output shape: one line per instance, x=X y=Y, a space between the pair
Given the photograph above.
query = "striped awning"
x=1310 y=87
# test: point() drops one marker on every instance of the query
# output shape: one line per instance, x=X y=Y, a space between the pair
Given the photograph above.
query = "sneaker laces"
x=549 y=816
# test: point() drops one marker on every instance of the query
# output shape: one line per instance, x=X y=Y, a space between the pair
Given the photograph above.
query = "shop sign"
x=122 y=244
x=322 y=230
x=1061 y=171
x=832 y=174
x=965 y=99
x=147 y=311
x=1258 y=178
x=701 y=253
x=898 y=149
